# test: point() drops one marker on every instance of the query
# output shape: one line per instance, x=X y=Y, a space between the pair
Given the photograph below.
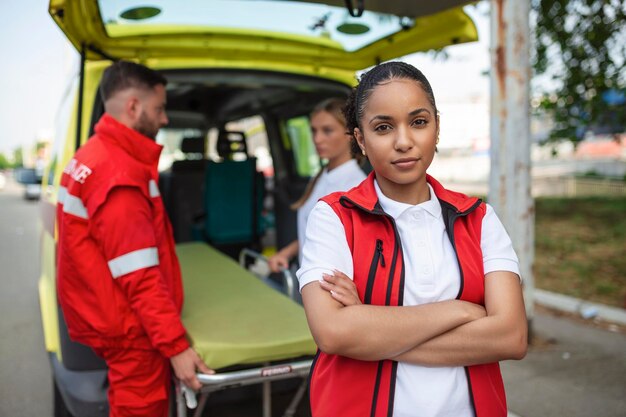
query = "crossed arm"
x=446 y=333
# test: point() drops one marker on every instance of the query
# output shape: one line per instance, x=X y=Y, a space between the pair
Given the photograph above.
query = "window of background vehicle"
x=256 y=142
x=299 y=131
x=171 y=139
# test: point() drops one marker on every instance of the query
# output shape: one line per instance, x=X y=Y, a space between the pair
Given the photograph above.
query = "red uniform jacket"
x=118 y=277
x=347 y=387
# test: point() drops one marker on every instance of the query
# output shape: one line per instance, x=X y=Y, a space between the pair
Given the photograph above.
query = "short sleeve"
x=325 y=246
x=496 y=245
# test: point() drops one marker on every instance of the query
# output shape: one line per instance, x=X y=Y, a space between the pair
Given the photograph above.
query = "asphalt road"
x=574 y=369
x=25 y=379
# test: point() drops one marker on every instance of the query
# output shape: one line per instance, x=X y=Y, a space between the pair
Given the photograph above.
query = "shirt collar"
x=339 y=172
x=140 y=147
x=396 y=208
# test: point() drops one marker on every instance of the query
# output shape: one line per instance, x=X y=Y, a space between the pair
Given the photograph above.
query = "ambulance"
x=243 y=76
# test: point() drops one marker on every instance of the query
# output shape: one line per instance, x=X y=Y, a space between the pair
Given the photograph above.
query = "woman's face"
x=330 y=138
x=398 y=132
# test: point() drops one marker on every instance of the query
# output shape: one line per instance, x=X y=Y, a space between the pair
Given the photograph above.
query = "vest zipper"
x=379 y=249
x=378 y=258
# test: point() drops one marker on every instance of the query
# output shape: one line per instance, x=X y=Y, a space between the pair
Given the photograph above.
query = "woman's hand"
x=278 y=262
x=341 y=288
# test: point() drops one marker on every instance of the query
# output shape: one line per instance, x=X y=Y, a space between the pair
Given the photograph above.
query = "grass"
x=580 y=248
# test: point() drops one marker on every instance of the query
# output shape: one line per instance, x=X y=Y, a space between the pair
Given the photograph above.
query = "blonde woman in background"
x=341 y=172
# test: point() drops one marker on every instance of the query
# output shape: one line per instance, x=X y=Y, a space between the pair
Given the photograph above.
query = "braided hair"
x=355 y=105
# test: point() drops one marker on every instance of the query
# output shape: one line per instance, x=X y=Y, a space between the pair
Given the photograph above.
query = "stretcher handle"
x=256 y=375
x=288 y=279
x=189 y=395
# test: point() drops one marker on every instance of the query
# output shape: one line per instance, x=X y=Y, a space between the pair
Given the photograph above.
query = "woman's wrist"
x=290 y=250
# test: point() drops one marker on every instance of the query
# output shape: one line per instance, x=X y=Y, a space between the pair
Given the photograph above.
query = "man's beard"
x=146 y=128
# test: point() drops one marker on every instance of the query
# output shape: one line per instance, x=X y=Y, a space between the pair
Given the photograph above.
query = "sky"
x=38 y=63
x=37 y=60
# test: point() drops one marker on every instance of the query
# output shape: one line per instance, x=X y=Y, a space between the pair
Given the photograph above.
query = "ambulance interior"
x=254 y=121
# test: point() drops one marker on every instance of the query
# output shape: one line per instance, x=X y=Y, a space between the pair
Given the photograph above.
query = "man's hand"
x=341 y=288
x=185 y=365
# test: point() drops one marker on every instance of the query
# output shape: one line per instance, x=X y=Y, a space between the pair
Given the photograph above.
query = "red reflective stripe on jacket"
x=113 y=178
x=353 y=388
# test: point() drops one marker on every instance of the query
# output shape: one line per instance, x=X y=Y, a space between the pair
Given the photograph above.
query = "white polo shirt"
x=431 y=274
x=341 y=178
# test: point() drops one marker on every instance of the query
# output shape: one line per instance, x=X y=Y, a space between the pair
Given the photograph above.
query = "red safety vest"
x=132 y=296
x=346 y=387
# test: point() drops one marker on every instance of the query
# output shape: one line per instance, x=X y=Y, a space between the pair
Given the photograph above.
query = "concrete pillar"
x=510 y=176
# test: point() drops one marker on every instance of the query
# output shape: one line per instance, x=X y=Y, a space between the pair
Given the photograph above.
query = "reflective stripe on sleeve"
x=133 y=261
x=62 y=195
x=73 y=205
x=154 y=189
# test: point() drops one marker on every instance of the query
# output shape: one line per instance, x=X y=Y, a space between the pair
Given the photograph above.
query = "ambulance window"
x=299 y=132
x=257 y=143
x=171 y=139
x=64 y=117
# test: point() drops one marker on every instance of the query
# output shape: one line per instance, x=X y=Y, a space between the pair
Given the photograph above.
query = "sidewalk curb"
x=585 y=308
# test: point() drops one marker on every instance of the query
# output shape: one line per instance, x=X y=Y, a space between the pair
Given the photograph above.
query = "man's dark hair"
x=124 y=74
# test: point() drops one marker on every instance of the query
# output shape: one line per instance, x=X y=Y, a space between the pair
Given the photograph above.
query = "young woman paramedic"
x=412 y=291
x=341 y=172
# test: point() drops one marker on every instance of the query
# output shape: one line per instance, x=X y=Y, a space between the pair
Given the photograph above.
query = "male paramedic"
x=119 y=281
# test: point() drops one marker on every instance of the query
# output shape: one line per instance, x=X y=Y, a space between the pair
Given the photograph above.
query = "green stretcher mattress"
x=232 y=317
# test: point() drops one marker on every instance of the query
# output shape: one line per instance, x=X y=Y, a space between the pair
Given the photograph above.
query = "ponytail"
x=307 y=191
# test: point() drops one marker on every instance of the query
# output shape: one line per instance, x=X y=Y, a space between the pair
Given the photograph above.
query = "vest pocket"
x=377 y=259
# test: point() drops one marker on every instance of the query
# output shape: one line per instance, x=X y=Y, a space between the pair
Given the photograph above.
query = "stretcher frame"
x=267 y=373
x=289 y=281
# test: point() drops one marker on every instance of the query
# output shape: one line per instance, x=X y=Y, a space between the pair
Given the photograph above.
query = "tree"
x=578 y=59
x=18 y=158
x=4 y=162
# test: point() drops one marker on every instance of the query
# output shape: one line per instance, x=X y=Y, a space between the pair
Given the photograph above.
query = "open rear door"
x=319 y=33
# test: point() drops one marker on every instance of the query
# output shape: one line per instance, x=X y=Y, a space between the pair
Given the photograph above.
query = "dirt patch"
x=580 y=248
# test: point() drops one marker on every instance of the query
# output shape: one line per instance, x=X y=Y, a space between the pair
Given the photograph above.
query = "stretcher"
x=234 y=320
